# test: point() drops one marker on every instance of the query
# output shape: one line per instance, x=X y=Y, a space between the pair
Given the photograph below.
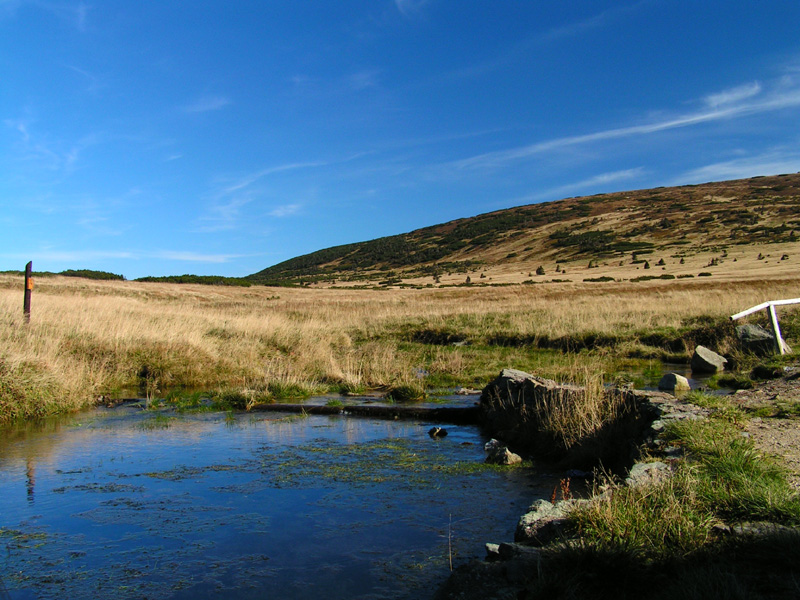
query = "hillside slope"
x=605 y=227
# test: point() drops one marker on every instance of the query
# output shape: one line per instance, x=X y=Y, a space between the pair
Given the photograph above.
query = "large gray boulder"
x=543 y=417
x=707 y=361
x=756 y=339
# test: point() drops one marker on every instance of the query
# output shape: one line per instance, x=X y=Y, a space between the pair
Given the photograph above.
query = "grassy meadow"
x=89 y=338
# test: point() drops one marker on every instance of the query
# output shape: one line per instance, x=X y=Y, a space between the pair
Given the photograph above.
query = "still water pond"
x=128 y=503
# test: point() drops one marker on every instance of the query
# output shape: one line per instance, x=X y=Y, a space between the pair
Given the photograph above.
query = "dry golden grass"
x=734 y=263
x=88 y=338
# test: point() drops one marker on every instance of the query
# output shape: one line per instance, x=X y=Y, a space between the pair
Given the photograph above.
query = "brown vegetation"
x=670 y=232
x=92 y=338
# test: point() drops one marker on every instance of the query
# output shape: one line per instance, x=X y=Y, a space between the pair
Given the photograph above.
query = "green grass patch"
x=652 y=522
x=353 y=389
x=29 y=391
x=406 y=393
x=733 y=381
x=660 y=540
x=721 y=406
x=732 y=479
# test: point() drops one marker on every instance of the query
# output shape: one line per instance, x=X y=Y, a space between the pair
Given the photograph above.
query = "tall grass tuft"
x=572 y=418
x=650 y=521
x=732 y=479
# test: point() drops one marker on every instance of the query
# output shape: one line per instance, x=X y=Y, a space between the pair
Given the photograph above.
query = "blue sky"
x=221 y=137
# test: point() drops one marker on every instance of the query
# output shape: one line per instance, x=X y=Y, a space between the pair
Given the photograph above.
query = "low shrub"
x=406 y=393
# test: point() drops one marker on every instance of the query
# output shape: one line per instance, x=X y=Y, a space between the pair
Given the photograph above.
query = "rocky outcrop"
x=646 y=473
x=519 y=408
x=544 y=522
x=707 y=361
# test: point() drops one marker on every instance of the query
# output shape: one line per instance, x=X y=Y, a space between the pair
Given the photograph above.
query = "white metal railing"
x=780 y=345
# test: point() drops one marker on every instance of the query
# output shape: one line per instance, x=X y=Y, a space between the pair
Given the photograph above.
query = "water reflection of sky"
x=115 y=503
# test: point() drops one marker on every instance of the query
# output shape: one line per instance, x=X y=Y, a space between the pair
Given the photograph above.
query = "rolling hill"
x=623 y=229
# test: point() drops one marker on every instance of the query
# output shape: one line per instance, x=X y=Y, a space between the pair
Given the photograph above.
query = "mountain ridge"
x=764 y=209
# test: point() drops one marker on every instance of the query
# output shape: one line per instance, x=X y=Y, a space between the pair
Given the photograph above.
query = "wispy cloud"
x=733 y=95
x=73 y=257
x=185 y=256
x=228 y=200
x=76 y=15
x=576 y=28
x=771 y=163
x=410 y=8
x=21 y=126
x=251 y=178
x=207 y=104
x=94 y=83
x=223 y=215
x=364 y=79
x=513 y=55
x=78 y=257
x=591 y=185
x=285 y=210
x=53 y=155
x=81 y=12
x=746 y=104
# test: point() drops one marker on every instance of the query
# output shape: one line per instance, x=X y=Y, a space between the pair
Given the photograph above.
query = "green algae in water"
x=237 y=506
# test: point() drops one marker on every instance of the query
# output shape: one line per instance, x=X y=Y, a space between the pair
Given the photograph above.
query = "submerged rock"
x=707 y=361
x=498 y=453
x=672 y=382
x=503 y=456
x=464 y=391
x=492 y=551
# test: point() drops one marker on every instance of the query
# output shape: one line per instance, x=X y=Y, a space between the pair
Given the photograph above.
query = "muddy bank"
x=744 y=552
x=514 y=407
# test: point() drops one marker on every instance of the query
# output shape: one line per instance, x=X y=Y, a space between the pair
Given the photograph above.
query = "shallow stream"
x=130 y=503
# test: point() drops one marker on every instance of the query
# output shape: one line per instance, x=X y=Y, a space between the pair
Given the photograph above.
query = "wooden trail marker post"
x=780 y=345
x=26 y=305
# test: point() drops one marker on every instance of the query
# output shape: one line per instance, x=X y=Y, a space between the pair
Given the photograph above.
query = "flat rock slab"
x=467 y=415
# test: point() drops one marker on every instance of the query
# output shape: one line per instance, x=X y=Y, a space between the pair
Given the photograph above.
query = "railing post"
x=781 y=346
x=26 y=305
x=776 y=330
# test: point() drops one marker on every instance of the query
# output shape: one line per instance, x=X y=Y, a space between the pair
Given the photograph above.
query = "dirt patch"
x=777 y=431
x=781 y=438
